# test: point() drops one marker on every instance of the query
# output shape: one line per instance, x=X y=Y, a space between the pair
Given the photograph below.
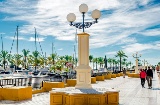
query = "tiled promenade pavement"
x=131 y=92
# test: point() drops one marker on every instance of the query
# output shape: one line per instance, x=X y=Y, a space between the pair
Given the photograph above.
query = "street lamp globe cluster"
x=144 y=62
x=137 y=57
x=83 y=8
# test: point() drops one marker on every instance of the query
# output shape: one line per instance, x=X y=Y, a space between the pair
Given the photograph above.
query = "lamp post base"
x=83 y=77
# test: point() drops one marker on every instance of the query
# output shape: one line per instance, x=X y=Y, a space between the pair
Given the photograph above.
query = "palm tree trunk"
x=96 y=65
x=113 y=67
x=120 y=63
x=93 y=65
x=25 y=62
x=4 y=65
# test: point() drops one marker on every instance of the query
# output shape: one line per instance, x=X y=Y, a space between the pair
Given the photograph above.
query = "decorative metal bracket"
x=80 y=25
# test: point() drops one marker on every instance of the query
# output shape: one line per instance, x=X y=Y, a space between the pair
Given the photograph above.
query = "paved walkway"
x=131 y=92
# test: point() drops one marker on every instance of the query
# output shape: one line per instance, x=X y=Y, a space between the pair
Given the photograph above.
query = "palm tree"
x=66 y=57
x=18 y=60
x=116 y=63
x=53 y=56
x=95 y=60
x=109 y=61
x=101 y=61
x=105 y=62
x=35 y=55
x=49 y=60
x=121 y=55
x=30 y=59
x=90 y=58
x=42 y=61
x=61 y=58
x=3 y=56
x=127 y=64
x=130 y=63
x=113 y=62
x=158 y=63
x=10 y=59
x=70 y=58
x=25 y=53
x=124 y=61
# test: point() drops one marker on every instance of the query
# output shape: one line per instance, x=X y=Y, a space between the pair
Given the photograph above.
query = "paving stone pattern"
x=131 y=92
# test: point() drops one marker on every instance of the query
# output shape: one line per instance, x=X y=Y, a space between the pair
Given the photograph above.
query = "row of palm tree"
x=35 y=59
x=112 y=61
x=58 y=62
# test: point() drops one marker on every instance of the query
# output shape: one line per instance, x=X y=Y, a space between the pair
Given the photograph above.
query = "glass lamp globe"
x=140 y=55
x=71 y=17
x=83 y=8
x=96 y=14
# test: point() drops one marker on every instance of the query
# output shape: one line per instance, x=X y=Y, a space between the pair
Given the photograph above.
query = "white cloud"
x=60 y=49
x=41 y=39
x=1 y=33
x=38 y=39
x=151 y=32
x=113 y=53
x=19 y=38
x=138 y=47
x=127 y=40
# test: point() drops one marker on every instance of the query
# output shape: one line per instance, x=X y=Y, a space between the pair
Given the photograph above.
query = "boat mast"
x=2 y=42
x=35 y=46
x=52 y=47
x=17 y=50
x=35 y=39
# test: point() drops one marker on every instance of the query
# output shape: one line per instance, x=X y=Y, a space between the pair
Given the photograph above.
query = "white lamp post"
x=137 y=57
x=144 y=63
x=83 y=69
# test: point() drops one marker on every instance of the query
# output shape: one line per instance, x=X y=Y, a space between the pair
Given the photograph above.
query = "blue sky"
x=128 y=25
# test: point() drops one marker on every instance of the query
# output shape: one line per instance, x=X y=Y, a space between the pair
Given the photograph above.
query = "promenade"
x=131 y=92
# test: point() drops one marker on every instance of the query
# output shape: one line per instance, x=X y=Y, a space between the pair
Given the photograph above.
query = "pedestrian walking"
x=157 y=68
x=124 y=72
x=143 y=77
x=149 y=77
x=145 y=69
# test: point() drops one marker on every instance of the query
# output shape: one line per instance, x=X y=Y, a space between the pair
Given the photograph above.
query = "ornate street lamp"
x=83 y=8
x=83 y=70
x=137 y=57
x=144 y=63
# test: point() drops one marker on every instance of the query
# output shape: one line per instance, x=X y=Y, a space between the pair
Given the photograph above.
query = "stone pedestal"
x=94 y=96
x=83 y=77
x=83 y=69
